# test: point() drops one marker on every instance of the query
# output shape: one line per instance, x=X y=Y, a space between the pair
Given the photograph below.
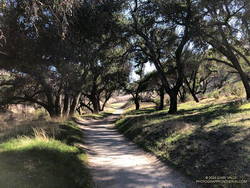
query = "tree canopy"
x=67 y=55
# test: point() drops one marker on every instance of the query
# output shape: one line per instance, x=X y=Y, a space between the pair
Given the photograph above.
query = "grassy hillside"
x=42 y=154
x=211 y=138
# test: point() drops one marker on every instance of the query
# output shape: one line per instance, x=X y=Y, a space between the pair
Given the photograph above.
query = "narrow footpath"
x=116 y=162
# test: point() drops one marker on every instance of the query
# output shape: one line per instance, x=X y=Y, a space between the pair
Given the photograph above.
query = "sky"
x=148 y=68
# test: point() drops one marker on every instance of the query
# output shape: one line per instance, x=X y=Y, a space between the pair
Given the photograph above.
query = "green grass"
x=205 y=139
x=109 y=109
x=43 y=157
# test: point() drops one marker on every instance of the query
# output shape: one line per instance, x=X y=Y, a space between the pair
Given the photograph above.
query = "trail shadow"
x=135 y=179
x=125 y=105
x=108 y=120
x=100 y=134
x=114 y=160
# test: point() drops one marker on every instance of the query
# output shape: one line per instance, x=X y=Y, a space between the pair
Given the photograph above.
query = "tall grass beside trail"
x=42 y=154
x=211 y=138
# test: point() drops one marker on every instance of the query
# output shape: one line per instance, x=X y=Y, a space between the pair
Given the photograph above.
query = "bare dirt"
x=116 y=162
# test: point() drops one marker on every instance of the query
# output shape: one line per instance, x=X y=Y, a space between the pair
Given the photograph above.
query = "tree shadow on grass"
x=214 y=153
x=141 y=111
x=70 y=134
x=126 y=126
x=208 y=113
x=221 y=150
x=42 y=167
x=200 y=116
x=99 y=116
x=244 y=120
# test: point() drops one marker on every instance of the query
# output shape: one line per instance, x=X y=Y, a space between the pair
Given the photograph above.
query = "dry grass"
x=39 y=153
x=27 y=128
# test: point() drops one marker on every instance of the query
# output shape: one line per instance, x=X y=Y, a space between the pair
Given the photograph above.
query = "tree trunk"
x=87 y=106
x=53 y=115
x=59 y=105
x=242 y=74
x=74 y=104
x=191 y=90
x=66 y=107
x=53 y=112
x=173 y=103
x=228 y=52
x=182 y=94
x=161 y=105
x=137 y=103
x=99 y=102
x=245 y=82
x=106 y=100
x=96 y=105
x=54 y=106
x=194 y=96
x=79 y=110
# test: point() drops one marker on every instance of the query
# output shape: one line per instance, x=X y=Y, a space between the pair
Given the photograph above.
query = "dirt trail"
x=117 y=163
